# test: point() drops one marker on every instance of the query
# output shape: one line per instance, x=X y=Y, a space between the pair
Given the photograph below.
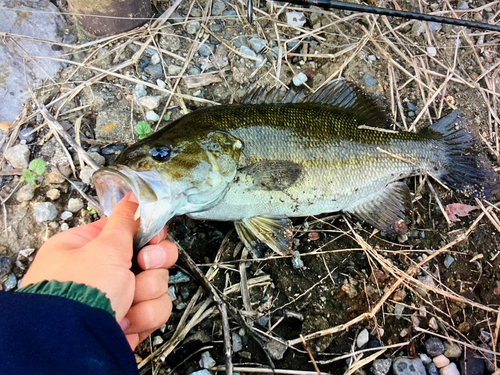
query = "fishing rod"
x=327 y=4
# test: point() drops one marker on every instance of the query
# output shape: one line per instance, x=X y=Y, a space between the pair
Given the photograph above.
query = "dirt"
x=340 y=280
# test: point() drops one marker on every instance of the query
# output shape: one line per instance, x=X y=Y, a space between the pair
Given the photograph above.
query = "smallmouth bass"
x=260 y=164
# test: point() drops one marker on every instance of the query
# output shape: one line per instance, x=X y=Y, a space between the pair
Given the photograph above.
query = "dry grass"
x=410 y=73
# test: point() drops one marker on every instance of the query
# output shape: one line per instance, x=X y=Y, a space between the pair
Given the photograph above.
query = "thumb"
x=121 y=226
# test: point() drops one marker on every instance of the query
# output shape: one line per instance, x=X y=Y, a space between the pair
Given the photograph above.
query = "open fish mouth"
x=155 y=201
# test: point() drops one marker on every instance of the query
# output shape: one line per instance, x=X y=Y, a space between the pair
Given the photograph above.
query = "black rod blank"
x=395 y=13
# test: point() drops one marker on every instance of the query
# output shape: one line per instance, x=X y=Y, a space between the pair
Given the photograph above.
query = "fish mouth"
x=155 y=198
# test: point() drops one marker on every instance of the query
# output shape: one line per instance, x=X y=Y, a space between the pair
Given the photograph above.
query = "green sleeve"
x=85 y=294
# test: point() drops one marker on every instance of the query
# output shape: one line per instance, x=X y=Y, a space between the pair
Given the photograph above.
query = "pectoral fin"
x=385 y=209
x=272 y=174
x=275 y=232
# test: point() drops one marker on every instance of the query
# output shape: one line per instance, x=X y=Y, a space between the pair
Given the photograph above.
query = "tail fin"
x=466 y=169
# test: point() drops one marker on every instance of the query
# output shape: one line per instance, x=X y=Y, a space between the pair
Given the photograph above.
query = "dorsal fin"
x=347 y=96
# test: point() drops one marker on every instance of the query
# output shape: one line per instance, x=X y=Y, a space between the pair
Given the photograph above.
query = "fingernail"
x=133 y=198
x=154 y=257
x=124 y=324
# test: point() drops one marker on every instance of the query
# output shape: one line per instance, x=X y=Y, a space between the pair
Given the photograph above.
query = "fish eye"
x=160 y=153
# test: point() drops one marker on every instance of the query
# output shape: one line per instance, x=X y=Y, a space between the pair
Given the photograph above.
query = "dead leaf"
x=5 y=125
x=456 y=210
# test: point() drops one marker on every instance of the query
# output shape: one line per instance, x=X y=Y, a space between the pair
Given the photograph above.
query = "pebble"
x=297 y=261
x=462 y=5
x=418 y=28
x=140 y=91
x=179 y=277
x=433 y=324
x=23 y=135
x=257 y=44
x=45 y=211
x=171 y=293
x=452 y=350
x=451 y=369
x=448 y=261
x=54 y=177
x=152 y=116
x=10 y=283
x=432 y=51
x=434 y=347
x=474 y=365
x=66 y=215
x=155 y=71
x=398 y=310
x=53 y=194
x=193 y=27
x=150 y=102
x=26 y=192
x=411 y=107
x=158 y=340
x=174 y=70
x=381 y=366
x=218 y=7
x=295 y=19
x=5 y=266
x=201 y=372
x=155 y=59
x=98 y=158
x=432 y=369
x=237 y=344
x=299 y=79
x=205 y=51
x=247 y=51
x=263 y=321
x=18 y=156
x=441 y=361
x=369 y=81
x=434 y=26
x=64 y=226
x=194 y=71
x=362 y=338
x=426 y=360
x=206 y=360
x=240 y=41
x=86 y=174
x=23 y=253
x=75 y=205
x=407 y=366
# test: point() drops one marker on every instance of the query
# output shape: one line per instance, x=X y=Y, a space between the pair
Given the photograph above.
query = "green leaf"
x=38 y=166
x=143 y=129
x=28 y=176
x=166 y=117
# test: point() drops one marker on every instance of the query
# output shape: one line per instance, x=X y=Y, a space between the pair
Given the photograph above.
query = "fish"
x=264 y=161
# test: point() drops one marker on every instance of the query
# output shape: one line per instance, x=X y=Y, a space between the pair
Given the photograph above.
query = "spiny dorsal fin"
x=384 y=209
x=275 y=232
x=347 y=96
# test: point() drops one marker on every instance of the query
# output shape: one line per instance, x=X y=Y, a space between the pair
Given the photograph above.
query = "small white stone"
x=433 y=324
x=53 y=194
x=206 y=360
x=64 y=226
x=362 y=338
x=152 y=116
x=155 y=59
x=451 y=369
x=75 y=205
x=158 y=340
x=398 y=311
x=86 y=174
x=441 y=361
x=404 y=332
x=299 y=79
x=26 y=192
x=25 y=252
x=66 y=215
x=150 y=102
x=18 y=156
x=432 y=51
x=296 y=19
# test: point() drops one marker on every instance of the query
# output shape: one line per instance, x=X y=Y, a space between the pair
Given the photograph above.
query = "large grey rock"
x=36 y=20
x=18 y=156
x=45 y=211
x=434 y=347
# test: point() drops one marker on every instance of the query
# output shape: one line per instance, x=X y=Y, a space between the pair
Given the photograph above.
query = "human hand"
x=100 y=255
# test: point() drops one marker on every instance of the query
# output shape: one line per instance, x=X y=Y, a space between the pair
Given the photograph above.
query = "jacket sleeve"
x=49 y=334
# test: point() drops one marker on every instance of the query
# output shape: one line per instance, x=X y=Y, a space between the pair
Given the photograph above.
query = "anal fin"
x=275 y=232
x=385 y=209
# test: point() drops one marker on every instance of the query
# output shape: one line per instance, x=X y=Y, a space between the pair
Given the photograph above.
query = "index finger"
x=122 y=226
